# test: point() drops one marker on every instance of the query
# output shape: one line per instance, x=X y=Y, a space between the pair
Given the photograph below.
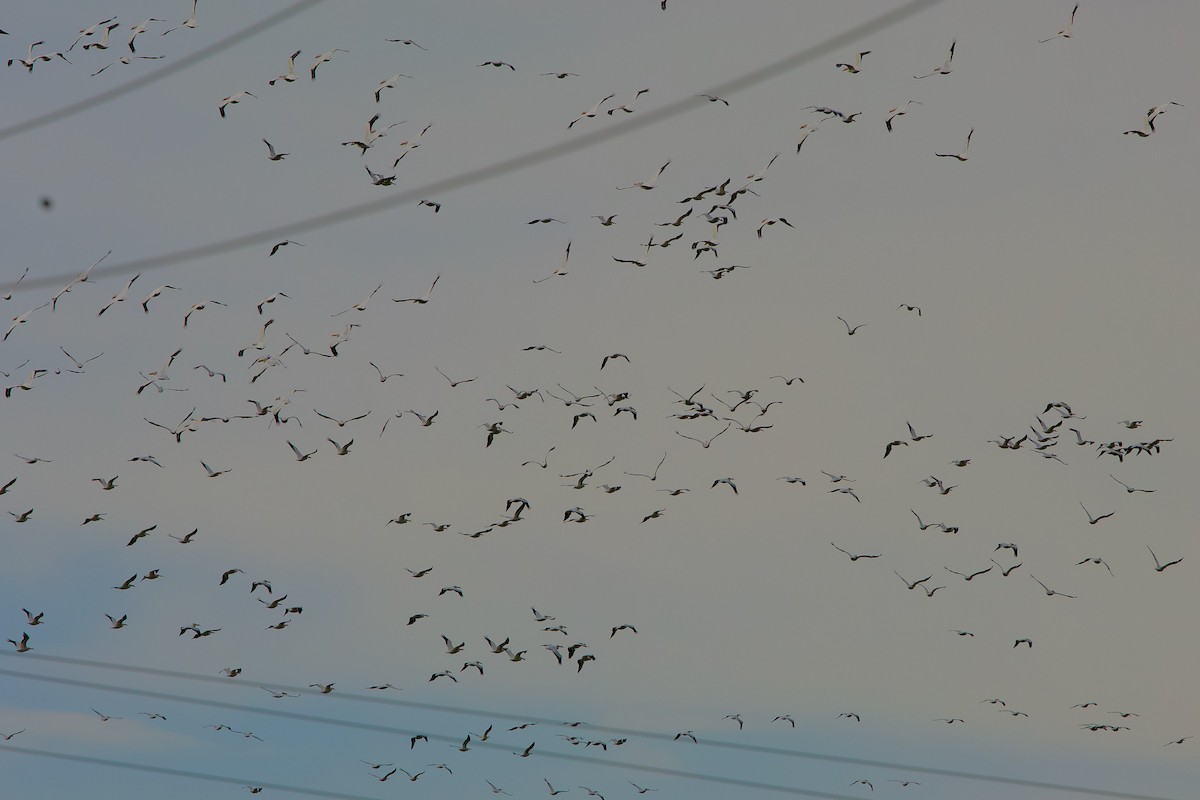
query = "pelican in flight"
x=1065 y=33
x=290 y=75
x=960 y=156
x=233 y=99
x=944 y=69
x=647 y=185
x=856 y=67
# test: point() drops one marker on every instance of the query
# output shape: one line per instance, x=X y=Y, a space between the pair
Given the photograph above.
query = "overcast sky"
x=1053 y=264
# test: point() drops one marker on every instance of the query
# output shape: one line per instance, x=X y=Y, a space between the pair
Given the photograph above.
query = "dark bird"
x=850 y=331
x=1158 y=566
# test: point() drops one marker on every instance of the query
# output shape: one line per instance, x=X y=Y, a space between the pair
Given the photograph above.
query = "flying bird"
x=647 y=185
x=321 y=59
x=273 y=156
x=900 y=111
x=1065 y=33
x=944 y=69
x=290 y=75
x=388 y=83
x=233 y=99
x=1051 y=592
x=1093 y=520
x=960 y=156
x=850 y=331
x=856 y=67
x=1159 y=566
x=423 y=299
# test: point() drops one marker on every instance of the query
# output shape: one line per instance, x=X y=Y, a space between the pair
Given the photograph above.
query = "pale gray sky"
x=1054 y=265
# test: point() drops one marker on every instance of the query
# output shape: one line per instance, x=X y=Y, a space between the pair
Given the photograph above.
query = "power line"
x=499 y=168
x=629 y=732
x=180 y=773
x=606 y=762
x=157 y=75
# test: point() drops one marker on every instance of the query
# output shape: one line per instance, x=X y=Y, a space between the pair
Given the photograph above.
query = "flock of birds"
x=250 y=388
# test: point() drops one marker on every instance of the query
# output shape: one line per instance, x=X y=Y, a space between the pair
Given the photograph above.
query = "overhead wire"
x=443 y=708
x=179 y=773
x=512 y=164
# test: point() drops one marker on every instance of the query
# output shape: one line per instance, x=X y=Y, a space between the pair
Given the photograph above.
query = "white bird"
x=426 y=420
x=389 y=83
x=856 y=67
x=898 y=111
x=647 y=185
x=21 y=319
x=213 y=473
x=259 y=343
x=378 y=178
x=27 y=384
x=268 y=300
x=200 y=307
x=1065 y=33
x=156 y=293
x=8 y=295
x=190 y=22
x=944 y=69
x=103 y=43
x=591 y=112
x=233 y=99
x=832 y=112
x=768 y=222
x=423 y=299
x=1155 y=111
x=127 y=60
x=321 y=59
x=273 y=156
x=32 y=59
x=139 y=29
x=924 y=525
x=362 y=306
x=301 y=456
x=960 y=156
x=1129 y=489
x=727 y=481
x=290 y=75
x=88 y=32
x=625 y=106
